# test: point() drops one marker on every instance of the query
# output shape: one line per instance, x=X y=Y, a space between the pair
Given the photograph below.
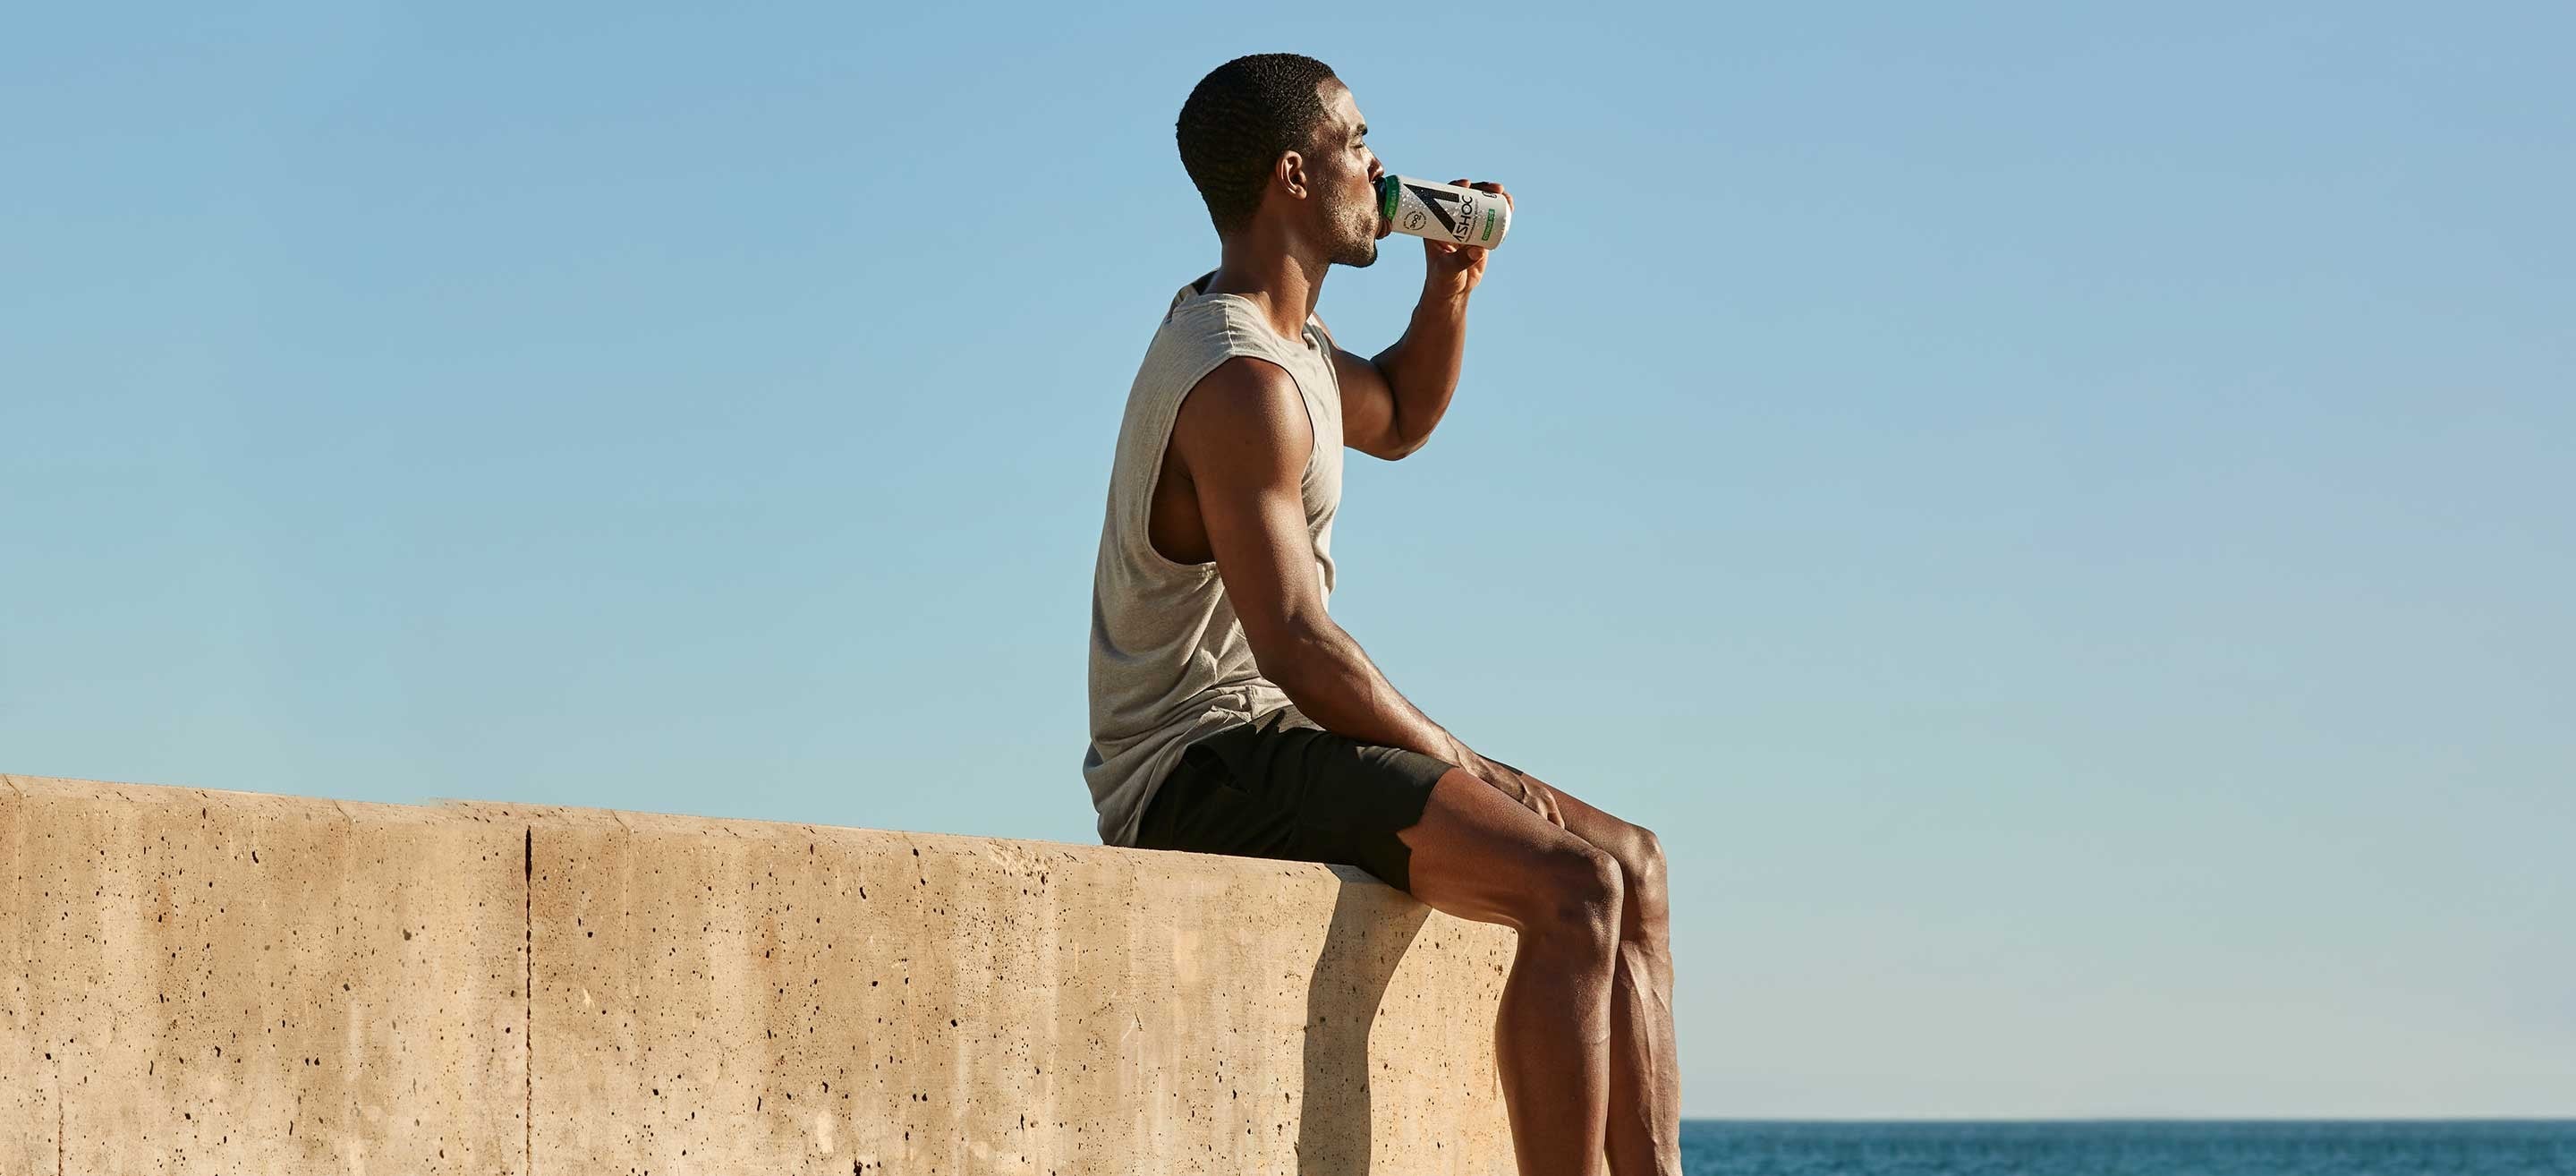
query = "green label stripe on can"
x=1387 y=194
x=1489 y=226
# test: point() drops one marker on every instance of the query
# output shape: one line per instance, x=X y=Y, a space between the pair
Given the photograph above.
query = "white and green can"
x=1444 y=212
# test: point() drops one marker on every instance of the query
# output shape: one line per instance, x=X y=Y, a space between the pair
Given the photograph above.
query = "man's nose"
x=1377 y=168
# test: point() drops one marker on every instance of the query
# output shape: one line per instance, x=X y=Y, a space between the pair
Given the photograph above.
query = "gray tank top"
x=1169 y=663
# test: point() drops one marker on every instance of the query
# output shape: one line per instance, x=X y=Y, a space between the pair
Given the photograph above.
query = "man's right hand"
x=1533 y=795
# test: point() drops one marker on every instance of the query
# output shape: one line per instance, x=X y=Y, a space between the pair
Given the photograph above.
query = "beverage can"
x=1444 y=212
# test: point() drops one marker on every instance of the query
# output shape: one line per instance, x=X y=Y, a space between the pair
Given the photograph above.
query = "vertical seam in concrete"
x=528 y=994
x=348 y=1111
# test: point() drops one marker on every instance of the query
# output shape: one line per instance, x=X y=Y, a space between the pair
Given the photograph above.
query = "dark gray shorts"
x=1283 y=787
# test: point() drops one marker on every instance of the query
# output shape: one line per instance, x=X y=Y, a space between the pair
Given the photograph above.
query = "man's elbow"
x=1299 y=661
x=1397 y=443
x=1296 y=675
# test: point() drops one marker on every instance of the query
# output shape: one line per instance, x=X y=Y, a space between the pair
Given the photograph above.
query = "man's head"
x=1274 y=139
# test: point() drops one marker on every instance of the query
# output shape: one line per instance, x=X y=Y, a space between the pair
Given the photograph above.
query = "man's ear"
x=1291 y=173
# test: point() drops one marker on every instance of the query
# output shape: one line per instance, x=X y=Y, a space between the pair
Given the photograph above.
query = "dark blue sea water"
x=1718 y=1147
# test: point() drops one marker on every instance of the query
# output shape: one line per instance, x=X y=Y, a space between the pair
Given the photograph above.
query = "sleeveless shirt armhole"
x=1305 y=399
x=1140 y=524
x=1140 y=527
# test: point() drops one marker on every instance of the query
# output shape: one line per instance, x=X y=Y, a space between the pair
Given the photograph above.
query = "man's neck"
x=1272 y=278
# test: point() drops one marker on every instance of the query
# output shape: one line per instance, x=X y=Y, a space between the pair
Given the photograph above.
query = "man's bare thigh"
x=1478 y=854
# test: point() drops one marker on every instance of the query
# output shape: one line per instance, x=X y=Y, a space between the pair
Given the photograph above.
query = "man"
x=1230 y=715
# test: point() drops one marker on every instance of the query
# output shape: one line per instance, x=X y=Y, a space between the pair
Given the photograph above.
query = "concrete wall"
x=208 y=981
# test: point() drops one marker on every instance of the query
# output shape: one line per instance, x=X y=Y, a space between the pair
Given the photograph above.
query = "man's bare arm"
x=1243 y=438
x=1243 y=435
x=1391 y=403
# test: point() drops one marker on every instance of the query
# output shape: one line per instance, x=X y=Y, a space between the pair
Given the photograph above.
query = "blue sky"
x=2059 y=518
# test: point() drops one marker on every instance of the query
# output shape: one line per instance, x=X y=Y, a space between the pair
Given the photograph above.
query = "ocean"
x=2480 y=1147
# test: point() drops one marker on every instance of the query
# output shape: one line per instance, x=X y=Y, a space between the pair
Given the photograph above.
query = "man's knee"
x=1644 y=862
x=1578 y=897
x=1641 y=870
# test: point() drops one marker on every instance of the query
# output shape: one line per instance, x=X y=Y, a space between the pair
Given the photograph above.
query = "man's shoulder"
x=1246 y=378
x=1244 y=415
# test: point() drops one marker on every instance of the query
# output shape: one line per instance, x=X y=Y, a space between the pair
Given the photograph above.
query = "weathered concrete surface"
x=26 y=1095
x=781 y=997
x=237 y=982
x=712 y=996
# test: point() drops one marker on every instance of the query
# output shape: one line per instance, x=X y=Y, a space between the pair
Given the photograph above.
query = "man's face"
x=1344 y=172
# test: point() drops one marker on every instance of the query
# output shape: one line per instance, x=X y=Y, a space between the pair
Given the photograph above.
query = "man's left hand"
x=1453 y=270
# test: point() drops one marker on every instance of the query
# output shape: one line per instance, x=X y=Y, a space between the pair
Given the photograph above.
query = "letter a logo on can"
x=1432 y=199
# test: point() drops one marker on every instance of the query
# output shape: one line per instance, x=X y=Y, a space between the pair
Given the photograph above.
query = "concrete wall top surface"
x=205 y=980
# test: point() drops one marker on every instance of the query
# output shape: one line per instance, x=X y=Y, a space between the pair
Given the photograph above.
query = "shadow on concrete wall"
x=1350 y=977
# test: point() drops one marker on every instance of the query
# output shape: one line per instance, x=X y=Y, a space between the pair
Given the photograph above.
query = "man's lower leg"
x=1645 y=1078
x=1552 y=1047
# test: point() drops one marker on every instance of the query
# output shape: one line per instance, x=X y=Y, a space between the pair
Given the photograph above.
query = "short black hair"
x=1238 y=120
